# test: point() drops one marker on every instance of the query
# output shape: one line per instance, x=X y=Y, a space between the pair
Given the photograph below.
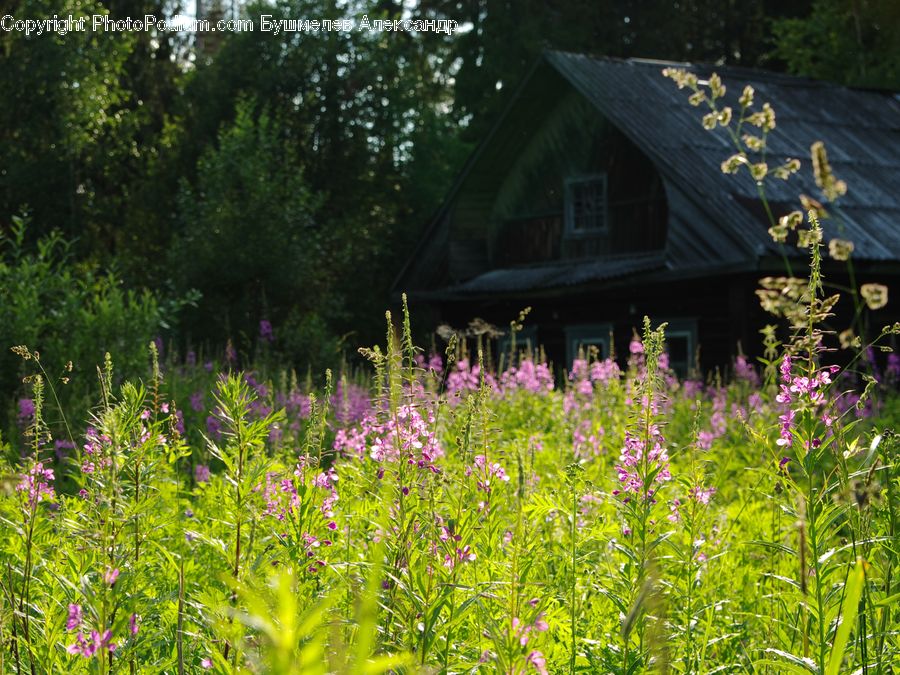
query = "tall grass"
x=441 y=516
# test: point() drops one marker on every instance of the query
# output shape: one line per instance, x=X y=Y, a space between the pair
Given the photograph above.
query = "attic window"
x=586 y=205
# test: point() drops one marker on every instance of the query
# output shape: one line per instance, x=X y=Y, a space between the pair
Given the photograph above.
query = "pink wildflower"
x=74 y=619
x=201 y=473
x=537 y=660
x=674 y=516
x=35 y=484
x=110 y=576
x=702 y=495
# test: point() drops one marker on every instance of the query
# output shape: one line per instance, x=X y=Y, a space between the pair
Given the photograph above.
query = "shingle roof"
x=860 y=128
x=558 y=274
x=715 y=221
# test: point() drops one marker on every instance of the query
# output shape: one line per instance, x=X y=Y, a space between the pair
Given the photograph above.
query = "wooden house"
x=598 y=198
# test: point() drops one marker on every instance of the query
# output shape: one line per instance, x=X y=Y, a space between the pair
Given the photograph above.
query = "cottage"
x=598 y=198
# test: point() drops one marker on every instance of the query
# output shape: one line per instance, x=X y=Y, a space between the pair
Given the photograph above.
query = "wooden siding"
x=518 y=210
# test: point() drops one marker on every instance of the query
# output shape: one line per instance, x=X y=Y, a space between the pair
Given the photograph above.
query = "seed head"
x=759 y=170
x=831 y=187
x=840 y=249
x=716 y=88
x=754 y=143
x=725 y=116
x=809 y=238
x=765 y=119
x=810 y=204
x=779 y=233
x=787 y=169
x=875 y=295
x=733 y=163
x=791 y=220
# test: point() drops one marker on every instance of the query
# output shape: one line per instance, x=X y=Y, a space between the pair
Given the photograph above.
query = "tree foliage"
x=855 y=43
x=287 y=176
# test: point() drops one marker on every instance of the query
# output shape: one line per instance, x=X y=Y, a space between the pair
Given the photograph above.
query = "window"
x=681 y=345
x=586 y=205
x=584 y=337
x=526 y=340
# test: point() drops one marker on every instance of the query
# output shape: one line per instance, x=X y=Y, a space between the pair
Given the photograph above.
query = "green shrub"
x=68 y=312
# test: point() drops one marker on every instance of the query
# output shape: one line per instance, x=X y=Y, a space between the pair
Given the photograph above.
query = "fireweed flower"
x=638 y=461
x=586 y=440
x=350 y=403
x=466 y=377
x=35 y=486
x=718 y=423
x=265 y=331
x=285 y=497
x=800 y=392
x=88 y=647
x=892 y=372
x=133 y=622
x=407 y=436
x=787 y=424
x=436 y=364
x=537 y=660
x=702 y=495
x=460 y=555
x=522 y=632
x=280 y=495
x=528 y=376
x=486 y=473
x=62 y=448
x=96 y=452
x=214 y=426
x=744 y=371
x=579 y=394
x=605 y=371
x=75 y=616
x=110 y=576
x=674 y=515
x=25 y=412
x=179 y=422
x=201 y=473
x=197 y=401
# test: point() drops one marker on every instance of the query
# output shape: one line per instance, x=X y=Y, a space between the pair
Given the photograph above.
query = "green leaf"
x=802 y=664
x=849 y=609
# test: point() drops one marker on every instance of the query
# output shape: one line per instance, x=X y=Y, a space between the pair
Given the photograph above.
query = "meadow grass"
x=438 y=514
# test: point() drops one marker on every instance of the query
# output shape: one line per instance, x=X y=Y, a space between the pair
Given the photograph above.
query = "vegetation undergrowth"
x=443 y=515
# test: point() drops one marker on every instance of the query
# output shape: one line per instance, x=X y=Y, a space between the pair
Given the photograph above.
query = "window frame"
x=568 y=206
x=587 y=334
x=683 y=328
x=525 y=338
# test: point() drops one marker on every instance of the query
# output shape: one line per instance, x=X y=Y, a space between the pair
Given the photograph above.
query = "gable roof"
x=860 y=128
x=718 y=218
